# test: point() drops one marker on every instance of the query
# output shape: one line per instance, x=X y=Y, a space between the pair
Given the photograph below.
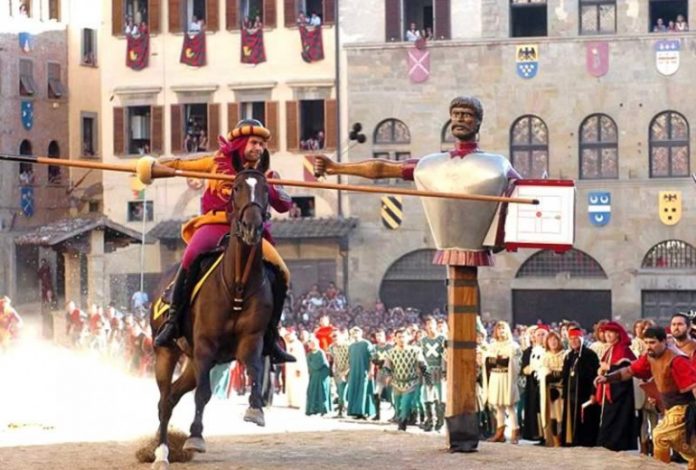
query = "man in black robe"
x=580 y=425
x=532 y=429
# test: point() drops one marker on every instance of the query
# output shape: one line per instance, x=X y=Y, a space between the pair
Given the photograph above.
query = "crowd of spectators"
x=313 y=142
x=413 y=34
x=312 y=20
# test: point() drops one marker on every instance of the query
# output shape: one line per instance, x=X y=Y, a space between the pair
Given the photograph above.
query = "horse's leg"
x=249 y=351
x=202 y=362
x=184 y=384
x=166 y=360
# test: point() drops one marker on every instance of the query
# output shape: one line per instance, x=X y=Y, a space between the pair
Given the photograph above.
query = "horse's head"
x=249 y=201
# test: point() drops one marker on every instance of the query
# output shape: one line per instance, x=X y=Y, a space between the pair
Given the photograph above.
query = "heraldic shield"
x=667 y=56
x=599 y=208
x=670 y=207
x=527 y=59
x=597 y=58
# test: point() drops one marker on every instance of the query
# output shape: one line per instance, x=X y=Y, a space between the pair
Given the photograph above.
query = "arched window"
x=447 y=140
x=26 y=170
x=529 y=146
x=54 y=171
x=670 y=254
x=391 y=140
x=574 y=263
x=414 y=281
x=669 y=145
x=599 y=148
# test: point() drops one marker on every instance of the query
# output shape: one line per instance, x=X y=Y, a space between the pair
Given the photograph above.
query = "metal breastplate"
x=457 y=224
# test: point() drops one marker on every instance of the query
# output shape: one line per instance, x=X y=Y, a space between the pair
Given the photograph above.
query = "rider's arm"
x=203 y=164
x=279 y=199
x=373 y=169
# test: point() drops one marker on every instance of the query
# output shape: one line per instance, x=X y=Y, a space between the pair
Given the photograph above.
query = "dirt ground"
x=335 y=450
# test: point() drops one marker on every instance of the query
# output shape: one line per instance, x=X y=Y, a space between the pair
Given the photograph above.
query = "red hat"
x=575 y=333
x=612 y=326
x=541 y=326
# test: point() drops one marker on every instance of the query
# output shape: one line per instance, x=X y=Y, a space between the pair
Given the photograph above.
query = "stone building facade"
x=33 y=121
x=633 y=266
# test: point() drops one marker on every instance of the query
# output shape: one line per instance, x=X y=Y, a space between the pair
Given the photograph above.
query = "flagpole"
x=142 y=243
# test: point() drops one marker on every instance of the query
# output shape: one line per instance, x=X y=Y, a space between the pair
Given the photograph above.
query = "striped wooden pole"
x=462 y=309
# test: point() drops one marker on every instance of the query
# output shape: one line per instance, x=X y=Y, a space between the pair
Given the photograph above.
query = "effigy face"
x=457 y=224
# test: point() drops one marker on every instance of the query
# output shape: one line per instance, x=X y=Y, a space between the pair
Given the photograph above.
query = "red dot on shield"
x=538 y=214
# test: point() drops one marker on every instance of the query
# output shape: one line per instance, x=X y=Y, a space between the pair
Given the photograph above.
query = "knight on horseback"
x=203 y=233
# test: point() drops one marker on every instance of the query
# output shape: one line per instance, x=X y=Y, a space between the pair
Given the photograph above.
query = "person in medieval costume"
x=532 y=428
x=340 y=366
x=319 y=388
x=380 y=349
x=647 y=413
x=580 y=423
x=247 y=141
x=617 y=430
x=433 y=346
x=10 y=322
x=502 y=364
x=324 y=332
x=551 y=386
x=406 y=366
x=679 y=327
x=484 y=418
x=359 y=393
x=296 y=373
x=599 y=346
x=675 y=380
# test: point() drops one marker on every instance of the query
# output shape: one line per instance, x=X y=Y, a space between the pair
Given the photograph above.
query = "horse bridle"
x=239 y=214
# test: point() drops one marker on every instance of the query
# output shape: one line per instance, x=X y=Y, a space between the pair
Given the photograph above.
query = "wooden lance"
x=163 y=171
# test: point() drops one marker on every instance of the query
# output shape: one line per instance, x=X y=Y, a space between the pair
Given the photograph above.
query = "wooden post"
x=462 y=309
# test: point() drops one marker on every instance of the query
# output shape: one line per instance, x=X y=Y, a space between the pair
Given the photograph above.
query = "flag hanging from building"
x=527 y=59
x=253 y=50
x=26 y=42
x=419 y=62
x=308 y=168
x=138 y=51
x=597 y=58
x=27 y=109
x=667 y=56
x=27 y=200
x=193 y=50
x=392 y=212
x=312 y=43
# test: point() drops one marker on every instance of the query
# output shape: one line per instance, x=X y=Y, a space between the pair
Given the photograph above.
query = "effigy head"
x=466 y=115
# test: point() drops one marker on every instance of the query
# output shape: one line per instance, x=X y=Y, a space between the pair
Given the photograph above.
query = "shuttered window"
x=291 y=126
x=157 y=127
x=55 y=85
x=27 y=85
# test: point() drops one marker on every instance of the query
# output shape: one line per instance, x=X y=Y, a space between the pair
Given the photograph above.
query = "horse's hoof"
x=196 y=444
x=255 y=415
x=160 y=465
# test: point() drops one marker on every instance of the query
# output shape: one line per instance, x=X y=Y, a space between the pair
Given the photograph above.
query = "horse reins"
x=240 y=279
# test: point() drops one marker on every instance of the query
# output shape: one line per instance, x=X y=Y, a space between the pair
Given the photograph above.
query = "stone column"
x=95 y=268
x=72 y=277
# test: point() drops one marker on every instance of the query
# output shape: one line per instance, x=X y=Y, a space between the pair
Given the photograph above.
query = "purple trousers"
x=205 y=238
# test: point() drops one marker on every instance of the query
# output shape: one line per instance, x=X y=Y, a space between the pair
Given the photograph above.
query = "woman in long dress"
x=502 y=363
x=296 y=373
x=551 y=377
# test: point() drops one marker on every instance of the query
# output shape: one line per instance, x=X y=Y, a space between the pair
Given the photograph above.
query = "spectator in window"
x=295 y=211
x=195 y=25
x=314 y=20
x=320 y=140
x=671 y=27
x=412 y=34
x=660 y=26
x=257 y=23
x=202 y=141
x=130 y=29
x=23 y=9
x=26 y=177
x=428 y=35
x=681 y=24
x=302 y=19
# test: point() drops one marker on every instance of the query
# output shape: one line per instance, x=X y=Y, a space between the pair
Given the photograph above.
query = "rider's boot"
x=271 y=347
x=169 y=330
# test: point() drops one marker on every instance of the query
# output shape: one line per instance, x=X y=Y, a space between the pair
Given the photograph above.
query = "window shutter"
x=329 y=12
x=175 y=16
x=330 y=131
x=290 y=13
x=269 y=14
x=442 y=19
x=292 y=128
x=157 y=130
x=212 y=13
x=119 y=129
x=232 y=115
x=176 y=128
x=213 y=124
x=117 y=18
x=393 y=20
x=271 y=113
x=155 y=11
x=231 y=15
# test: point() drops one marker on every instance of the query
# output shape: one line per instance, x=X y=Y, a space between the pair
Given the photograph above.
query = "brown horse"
x=226 y=320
